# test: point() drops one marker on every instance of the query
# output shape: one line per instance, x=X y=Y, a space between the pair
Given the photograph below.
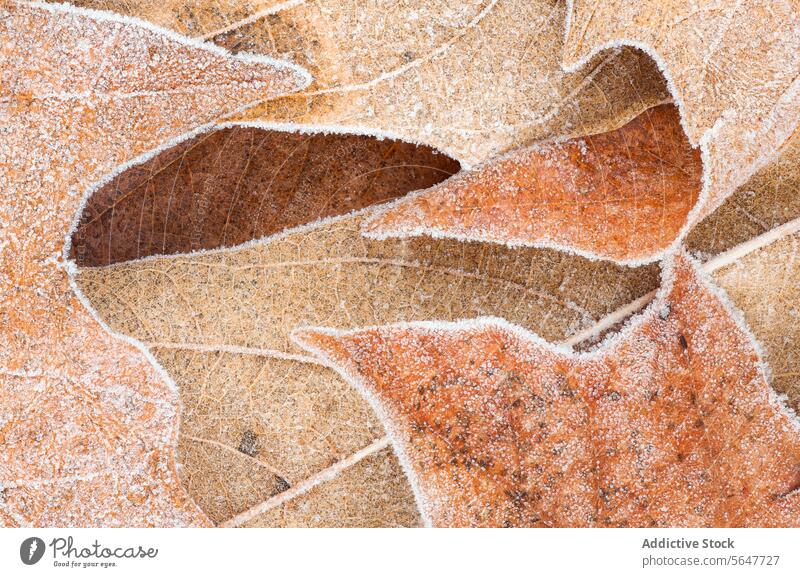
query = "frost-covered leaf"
x=765 y=285
x=267 y=435
x=623 y=195
x=195 y=18
x=239 y=183
x=767 y=200
x=734 y=71
x=254 y=426
x=672 y=423
x=87 y=424
x=472 y=78
x=733 y=68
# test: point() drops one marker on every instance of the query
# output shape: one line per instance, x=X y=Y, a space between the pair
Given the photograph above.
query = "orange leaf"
x=624 y=194
x=87 y=424
x=671 y=423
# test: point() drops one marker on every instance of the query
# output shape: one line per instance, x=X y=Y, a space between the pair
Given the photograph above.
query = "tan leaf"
x=233 y=364
x=672 y=423
x=87 y=424
x=556 y=195
x=268 y=436
x=767 y=200
x=250 y=298
x=196 y=18
x=225 y=187
x=765 y=285
x=472 y=78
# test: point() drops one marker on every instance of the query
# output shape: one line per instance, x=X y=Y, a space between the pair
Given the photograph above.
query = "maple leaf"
x=87 y=424
x=623 y=195
x=218 y=321
x=672 y=423
x=270 y=437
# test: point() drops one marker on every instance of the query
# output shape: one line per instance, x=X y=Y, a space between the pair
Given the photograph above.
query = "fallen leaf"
x=195 y=18
x=767 y=200
x=623 y=195
x=764 y=284
x=471 y=78
x=239 y=183
x=229 y=186
x=218 y=321
x=733 y=69
x=87 y=424
x=271 y=437
x=671 y=424
x=717 y=78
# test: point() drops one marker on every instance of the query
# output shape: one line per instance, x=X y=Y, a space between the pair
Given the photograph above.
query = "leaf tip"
x=323 y=343
x=405 y=217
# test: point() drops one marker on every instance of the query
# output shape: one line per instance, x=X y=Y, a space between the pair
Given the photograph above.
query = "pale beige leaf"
x=767 y=200
x=196 y=18
x=473 y=78
x=356 y=498
x=765 y=286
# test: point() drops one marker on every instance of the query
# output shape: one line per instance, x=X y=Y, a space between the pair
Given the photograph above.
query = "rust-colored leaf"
x=672 y=423
x=623 y=195
x=240 y=183
x=87 y=424
x=733 y=69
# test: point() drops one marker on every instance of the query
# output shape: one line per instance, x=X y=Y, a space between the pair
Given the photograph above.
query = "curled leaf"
x=623 y=195
x=219 y=323
x=473 y=79
x=240 y=183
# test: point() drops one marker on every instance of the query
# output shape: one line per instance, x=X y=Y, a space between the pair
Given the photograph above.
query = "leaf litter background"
x=268 y=435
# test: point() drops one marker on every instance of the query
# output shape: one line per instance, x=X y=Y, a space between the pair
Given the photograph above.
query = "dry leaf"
x=732 y=67
x=87 y=424
x=239 y=183
x=471 y=78
x=215 y=345
x=767 y=200
x=623 y=195
x=719 y=86
x=271 y=438
x=226 y=187
x=671 y=424
x=765 y=285
x=197 y=18
x=218 y=321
